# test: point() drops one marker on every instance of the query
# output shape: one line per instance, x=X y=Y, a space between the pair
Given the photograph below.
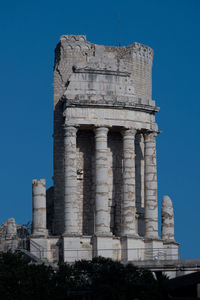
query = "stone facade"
x=104 y=198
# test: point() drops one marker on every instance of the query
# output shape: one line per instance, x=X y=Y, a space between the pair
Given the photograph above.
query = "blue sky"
x=30 y=31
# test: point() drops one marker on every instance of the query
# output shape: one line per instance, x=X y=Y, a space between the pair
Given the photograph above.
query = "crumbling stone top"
x=135 y=48
x=86 y=73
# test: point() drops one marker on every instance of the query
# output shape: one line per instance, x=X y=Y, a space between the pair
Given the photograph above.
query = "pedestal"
x=76 y=248
x=171 y=250
x=154 y=249
x=106 y=246
x=132 y=248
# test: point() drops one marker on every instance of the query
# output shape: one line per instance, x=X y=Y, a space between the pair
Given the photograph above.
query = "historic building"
x=104 y=198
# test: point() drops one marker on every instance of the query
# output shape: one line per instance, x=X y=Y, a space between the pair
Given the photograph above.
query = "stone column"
x=11 y=229
x=151 y=205
x=167 y=219
x=39 y=207
x=129 y=197
x=102 y=226
x=70 y=182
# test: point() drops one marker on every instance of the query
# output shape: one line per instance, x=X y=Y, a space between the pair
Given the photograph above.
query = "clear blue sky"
x=30 y=31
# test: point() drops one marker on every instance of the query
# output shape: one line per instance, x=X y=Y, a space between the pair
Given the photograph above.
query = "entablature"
x=109 y=117
x=109 y=102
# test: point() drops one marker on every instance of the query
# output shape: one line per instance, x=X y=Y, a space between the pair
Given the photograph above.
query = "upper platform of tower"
x=87 y=74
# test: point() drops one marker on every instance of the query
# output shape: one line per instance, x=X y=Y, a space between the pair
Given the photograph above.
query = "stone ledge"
x=136 y=237
x=102 y=72
x=173 y=242
x=179 y=263
x=108 y=104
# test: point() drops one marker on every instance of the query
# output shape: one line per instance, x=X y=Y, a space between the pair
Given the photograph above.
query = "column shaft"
x=102 y=226
x=151 y=205
x=39 y=207
x=167 y=225
x=129 y=201
x=70 y=182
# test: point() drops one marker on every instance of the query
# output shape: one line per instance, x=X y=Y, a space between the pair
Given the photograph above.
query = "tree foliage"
x=99 y=279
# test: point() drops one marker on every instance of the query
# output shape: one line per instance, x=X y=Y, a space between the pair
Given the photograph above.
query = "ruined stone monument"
x=104 y=199
x=13 y=236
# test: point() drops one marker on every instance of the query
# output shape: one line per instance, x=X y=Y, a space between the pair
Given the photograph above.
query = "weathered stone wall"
x=115 y=156
x=13 y=236
x=50 y=208
x=65 y=57
x=72 y=50
x=139 y=181
x=86 y=181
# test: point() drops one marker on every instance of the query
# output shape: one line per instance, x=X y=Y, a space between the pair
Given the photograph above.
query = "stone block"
x=154 y=249
x=39 y=247
x=171 y=250
x=107 y=247
x=132 y=249
x=76 y=248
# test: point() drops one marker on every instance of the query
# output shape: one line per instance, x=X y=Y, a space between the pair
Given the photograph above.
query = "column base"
x=103 y=234
x=71 y=234
x=147 y=238
x=40 y=233
x=135 y=235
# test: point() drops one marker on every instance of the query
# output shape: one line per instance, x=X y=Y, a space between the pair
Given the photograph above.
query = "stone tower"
x=104 y=198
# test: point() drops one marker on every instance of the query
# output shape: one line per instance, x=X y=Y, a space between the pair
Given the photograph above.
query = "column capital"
x=66 y=126
x=101 y=129
x=69 y=129
x=129 y=132
x=150 y=135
